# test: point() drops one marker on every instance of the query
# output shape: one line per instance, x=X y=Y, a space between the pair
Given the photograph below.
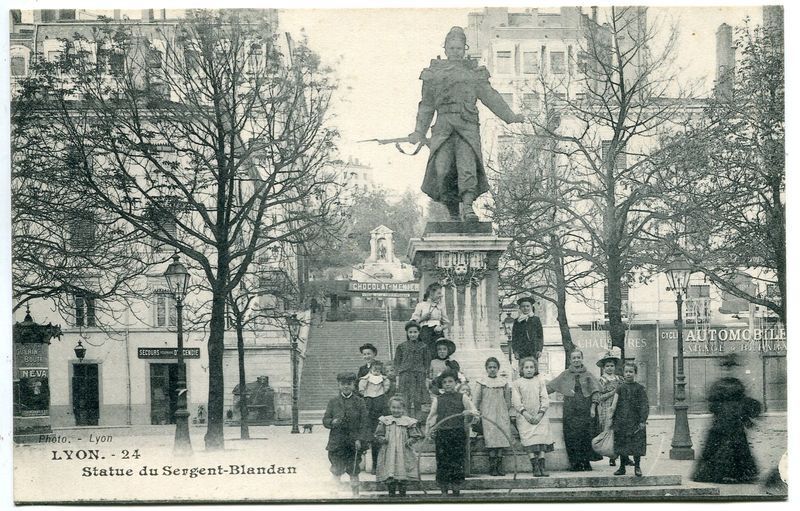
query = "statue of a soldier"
x=451 y=88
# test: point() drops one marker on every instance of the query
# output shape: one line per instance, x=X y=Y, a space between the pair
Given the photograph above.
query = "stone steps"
x=527 y=482
x=558 y=487
x=610 y=494
x=333 y=348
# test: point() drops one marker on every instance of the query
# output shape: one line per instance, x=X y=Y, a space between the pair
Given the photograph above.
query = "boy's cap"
x=346 y=377
x=524 y=299
x=412 y=324
x=368 y=346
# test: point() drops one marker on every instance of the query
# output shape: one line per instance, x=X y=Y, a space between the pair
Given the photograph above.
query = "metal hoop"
x=508 y=437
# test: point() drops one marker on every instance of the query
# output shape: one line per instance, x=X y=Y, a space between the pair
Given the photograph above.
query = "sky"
x=378 y=55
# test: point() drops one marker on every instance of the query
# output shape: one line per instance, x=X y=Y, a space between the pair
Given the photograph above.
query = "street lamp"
x=177 y=277
x=508 y=326
x=80 y=351
x=294 y=334
x=678 y=272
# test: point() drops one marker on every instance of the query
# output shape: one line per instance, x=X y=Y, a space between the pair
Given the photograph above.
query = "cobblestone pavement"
x=273 y=447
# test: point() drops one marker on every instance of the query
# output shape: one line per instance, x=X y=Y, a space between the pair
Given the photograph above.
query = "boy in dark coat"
x=629 y=423
x=346 y=417
x=527 y=335
x=412 y=360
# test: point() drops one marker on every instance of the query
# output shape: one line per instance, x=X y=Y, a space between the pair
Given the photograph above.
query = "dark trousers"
x=451 y=448
x=345 y=460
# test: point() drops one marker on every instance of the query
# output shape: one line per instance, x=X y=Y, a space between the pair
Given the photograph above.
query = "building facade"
x=533 y=52
x=128 y=375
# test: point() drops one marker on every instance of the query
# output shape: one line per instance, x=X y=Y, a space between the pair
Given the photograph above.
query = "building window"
x=557 y=62
x=255 y=58
x=166 y=315
x=530 y=62
x=624 y=291
x=530 y=101
x=19 y=66
x=698 y=302
x=504 y=63
x=85 y=310
x=621 y=162
x=82 y=230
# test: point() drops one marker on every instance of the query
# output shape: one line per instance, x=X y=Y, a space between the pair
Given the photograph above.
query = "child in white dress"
x=529 y=397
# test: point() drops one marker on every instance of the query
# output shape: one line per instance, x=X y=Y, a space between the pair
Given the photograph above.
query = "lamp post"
x=294 y=334
x=80 y=351
x=678 y=272
x=177 y=277
x=508 y=325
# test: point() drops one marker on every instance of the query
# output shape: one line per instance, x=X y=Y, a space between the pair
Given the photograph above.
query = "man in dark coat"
x=527 y=337
x=346 y=417
x=451 y=89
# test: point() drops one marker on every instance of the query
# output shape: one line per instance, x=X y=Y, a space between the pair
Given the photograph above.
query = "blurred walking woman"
x=581 y=391
x=431 y=316
x=726 y=456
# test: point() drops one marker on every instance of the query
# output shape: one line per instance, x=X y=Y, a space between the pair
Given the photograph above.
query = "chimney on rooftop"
x=594 y=13
x=726 y=60
x=147 y=15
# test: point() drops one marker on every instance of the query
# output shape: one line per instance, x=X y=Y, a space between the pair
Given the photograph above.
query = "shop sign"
x=167 y=352
x=378 y=287
x=31 y=385
x=727 y=340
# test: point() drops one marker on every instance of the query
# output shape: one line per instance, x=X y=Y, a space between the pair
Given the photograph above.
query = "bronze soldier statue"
x=451 y=88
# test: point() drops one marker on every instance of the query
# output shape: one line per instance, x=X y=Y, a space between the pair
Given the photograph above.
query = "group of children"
x=369 y=414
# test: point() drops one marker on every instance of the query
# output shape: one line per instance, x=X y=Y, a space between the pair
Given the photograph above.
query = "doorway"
x=85 y=394
x=163 y=393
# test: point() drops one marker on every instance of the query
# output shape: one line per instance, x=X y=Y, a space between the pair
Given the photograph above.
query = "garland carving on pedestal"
x=461 y=268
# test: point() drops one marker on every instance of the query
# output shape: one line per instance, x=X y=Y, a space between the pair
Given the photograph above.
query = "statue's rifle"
x=398 y=141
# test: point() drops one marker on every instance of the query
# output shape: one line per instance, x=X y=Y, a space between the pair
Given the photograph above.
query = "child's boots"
x=623 y=460
x=499 y=466
x=542 y=472
x=401 y=488
x=535 y=467
x=637 y=470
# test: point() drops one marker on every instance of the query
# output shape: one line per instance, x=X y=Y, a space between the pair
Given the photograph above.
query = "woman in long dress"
x=529 y=397
x=493 y=400
x=396 y=433
x=609 y=381
x=581 y=391
x=726 y=456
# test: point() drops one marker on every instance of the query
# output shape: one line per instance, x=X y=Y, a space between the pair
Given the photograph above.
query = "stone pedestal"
x=463 y=257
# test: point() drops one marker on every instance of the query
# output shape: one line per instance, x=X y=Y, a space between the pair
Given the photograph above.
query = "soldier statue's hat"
x=456 y=32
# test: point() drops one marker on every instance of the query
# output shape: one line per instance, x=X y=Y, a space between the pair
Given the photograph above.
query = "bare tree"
x=544 y=257
x=732 y=217
x=615 y=100
x=204 y=137
x=65 y=249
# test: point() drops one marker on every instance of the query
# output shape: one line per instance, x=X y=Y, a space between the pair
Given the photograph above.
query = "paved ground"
x=43 y=474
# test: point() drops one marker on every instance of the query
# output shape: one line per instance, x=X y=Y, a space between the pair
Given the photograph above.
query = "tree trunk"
x=215 y=439
x=614 y=277
x=244 y=430
x=561 y=299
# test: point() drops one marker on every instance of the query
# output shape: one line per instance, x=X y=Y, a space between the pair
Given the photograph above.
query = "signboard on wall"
x=728 y=340
x=31 y=380
x=384 y=287
x=167 y=353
